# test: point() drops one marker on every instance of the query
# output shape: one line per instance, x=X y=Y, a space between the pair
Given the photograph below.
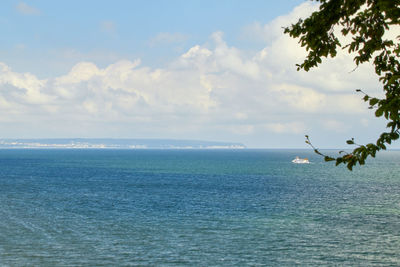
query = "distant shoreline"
x=109 y=143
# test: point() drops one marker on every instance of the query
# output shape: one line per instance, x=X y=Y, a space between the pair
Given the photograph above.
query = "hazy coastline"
x=104 y=143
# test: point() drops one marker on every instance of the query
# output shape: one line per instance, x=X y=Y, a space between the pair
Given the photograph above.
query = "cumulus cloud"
x=213 y=87
x=27 y=87
x=301 y=98
x=26 y=9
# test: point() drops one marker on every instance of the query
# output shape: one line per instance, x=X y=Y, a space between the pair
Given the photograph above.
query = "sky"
x=201 y=70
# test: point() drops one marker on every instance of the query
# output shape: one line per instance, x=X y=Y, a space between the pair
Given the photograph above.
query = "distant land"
x=117 y=143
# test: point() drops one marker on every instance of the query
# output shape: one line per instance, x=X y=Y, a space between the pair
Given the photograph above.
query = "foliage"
x=366 y=22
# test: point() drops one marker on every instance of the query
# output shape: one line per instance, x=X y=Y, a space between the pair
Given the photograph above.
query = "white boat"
x=301 y=161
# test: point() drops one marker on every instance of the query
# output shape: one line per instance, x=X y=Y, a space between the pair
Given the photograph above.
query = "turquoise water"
x=196 y=208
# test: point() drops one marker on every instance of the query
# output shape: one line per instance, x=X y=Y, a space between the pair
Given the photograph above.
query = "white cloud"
x=197 y=51
x=213 y=90
x=231 y=59
x=25 y=9
x=301 y=98
x=28 y=87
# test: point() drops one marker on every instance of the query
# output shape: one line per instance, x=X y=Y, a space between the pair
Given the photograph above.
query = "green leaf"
x=327 y=158
x=379 y=112
x=373 y=101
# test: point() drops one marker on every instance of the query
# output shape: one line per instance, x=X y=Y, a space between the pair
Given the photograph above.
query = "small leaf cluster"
x=366 y=22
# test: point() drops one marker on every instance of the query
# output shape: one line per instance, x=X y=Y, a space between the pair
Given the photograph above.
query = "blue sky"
x=39 y=31
x=210 y=70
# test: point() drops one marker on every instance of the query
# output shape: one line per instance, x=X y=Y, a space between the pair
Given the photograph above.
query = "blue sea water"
x=196 y=208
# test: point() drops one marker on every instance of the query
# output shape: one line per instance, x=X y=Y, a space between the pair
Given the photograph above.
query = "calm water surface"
x=196 y=208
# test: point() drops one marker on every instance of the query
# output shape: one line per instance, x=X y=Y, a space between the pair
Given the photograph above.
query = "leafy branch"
x=366 y=21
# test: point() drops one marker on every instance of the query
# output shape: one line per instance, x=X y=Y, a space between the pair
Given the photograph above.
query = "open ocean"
x=196 y=208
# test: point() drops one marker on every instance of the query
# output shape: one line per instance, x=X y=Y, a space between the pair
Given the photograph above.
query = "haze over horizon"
x=191 y=70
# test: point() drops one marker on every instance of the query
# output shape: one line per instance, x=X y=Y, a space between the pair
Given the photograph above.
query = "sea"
x=105 y=207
